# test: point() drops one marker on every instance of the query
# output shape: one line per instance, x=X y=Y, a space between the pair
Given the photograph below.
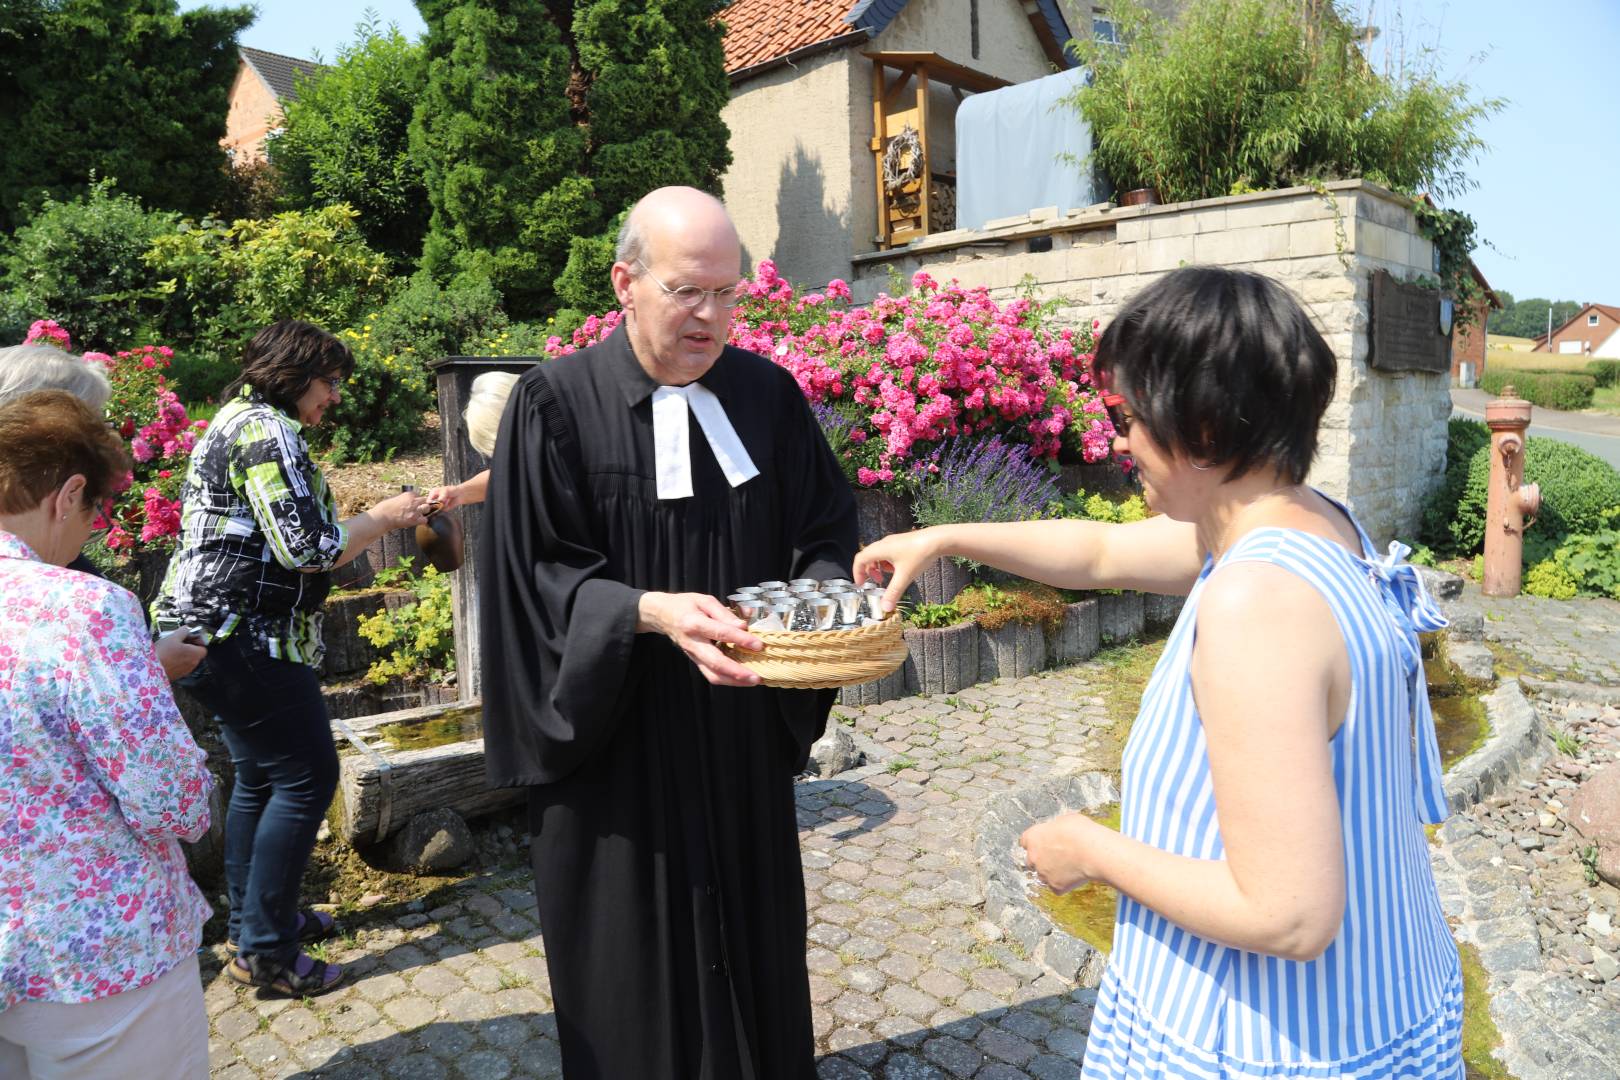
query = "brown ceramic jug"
x=441 y=541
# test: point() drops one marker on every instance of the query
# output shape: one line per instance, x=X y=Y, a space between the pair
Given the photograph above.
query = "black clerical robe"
x=665 y=847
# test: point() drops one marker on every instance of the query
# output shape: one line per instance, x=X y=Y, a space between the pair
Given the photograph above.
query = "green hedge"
x=1548 y=389
x=1463 y=440
x=1577 y=491
x=1606 y=372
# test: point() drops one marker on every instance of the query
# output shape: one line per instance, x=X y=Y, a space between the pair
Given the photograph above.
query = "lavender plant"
x=981 y=480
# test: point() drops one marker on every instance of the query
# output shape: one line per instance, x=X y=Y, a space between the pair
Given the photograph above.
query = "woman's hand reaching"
x=900 y=556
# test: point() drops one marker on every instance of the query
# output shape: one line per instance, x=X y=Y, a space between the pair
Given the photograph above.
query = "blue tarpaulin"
x=1007 y=147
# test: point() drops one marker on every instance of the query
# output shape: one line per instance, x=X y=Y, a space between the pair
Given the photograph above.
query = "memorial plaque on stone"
x=1406 y=332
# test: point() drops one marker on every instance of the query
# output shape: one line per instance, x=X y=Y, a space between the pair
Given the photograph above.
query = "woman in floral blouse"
x=99 y=780
x=259 y=536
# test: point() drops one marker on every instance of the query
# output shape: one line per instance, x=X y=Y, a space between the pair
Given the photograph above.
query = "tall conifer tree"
x=655 y=82
x=501 y=155
x=124 y=88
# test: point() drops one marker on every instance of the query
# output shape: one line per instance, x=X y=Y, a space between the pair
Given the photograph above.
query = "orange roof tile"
x=761 y=30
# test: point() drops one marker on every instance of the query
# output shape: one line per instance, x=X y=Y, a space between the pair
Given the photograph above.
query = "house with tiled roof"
x=821 y=88
x=1592 y=331
x=263 y=81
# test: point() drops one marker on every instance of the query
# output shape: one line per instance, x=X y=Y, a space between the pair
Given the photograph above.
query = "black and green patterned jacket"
x=258 y=535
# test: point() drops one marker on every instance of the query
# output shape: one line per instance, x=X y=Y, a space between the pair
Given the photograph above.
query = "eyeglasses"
x=690 y=296
x=1121 y=419
x=333 y=386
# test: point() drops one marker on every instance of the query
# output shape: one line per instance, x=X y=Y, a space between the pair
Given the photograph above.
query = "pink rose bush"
x=894 y=381
x=146 y=412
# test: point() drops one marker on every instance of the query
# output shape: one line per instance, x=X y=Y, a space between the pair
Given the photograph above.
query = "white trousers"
x=159 y=1029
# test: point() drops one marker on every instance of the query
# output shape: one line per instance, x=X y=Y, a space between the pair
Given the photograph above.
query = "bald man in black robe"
x=665 y=851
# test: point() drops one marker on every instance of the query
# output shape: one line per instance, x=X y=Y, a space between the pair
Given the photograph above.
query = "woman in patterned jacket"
x=259 y=536
x=99 y=920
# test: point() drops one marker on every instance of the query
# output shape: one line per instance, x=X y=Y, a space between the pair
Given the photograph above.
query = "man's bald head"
x=679 y=260
x=684 y=215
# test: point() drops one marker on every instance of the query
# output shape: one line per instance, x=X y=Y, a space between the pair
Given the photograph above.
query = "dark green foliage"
x=1528 y=318
x=432 y=322
x=501 y=155
x=1605 y=372
x=124 y=88
x=198 y=375
x=656 y=77
x=1577 y=491
x=73 y=257
x=346 y=139
x=1548 y=389
x=1253 y=94
x=224 y=282
x=1463 y=440
x=585 y=287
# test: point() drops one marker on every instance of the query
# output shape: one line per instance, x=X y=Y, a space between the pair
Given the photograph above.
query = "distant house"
x=1468 y=342
x=1594 y=331
x=820 y=89
x=263 y=81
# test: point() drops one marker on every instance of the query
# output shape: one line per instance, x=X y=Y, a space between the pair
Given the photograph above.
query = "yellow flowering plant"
x=416 y=641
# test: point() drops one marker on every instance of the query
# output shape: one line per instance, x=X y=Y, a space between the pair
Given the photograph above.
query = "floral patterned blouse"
x=99 y=781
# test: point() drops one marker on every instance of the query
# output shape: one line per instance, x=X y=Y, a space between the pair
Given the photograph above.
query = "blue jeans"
x=274 y=724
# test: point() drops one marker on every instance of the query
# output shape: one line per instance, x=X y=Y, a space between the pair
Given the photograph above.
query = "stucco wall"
x=802 y=186
x=253 y=112
x=793 y=143
x=1008 y=49
x=1383 y=440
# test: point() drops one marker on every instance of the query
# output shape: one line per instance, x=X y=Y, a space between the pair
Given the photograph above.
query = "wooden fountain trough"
x=394 y=765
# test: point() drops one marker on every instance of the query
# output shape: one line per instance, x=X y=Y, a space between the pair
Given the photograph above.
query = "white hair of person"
x=630 y=244
x=25 y=368
x=484 y=408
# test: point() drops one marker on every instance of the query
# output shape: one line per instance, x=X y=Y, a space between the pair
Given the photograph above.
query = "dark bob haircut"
x=285 y=357
x=1221 y=366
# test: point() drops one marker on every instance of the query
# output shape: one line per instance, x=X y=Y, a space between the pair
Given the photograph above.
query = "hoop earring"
x=1201 y=468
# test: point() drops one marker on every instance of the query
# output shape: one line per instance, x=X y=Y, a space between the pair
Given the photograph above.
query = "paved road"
x=1598 y=433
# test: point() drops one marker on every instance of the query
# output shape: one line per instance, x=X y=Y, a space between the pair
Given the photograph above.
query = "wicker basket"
x=823 y=659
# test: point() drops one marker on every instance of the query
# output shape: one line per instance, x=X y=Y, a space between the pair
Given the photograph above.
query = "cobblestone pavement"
x=906 y=978
x=907 y=981
x=1572 y=639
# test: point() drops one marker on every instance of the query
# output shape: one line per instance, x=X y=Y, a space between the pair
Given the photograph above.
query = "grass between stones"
x=1121 y=677
x=1479 y=1036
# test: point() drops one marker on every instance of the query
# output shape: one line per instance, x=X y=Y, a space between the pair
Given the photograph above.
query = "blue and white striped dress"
x=1385 y=999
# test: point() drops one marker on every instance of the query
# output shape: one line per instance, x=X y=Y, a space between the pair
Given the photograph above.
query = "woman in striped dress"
x=1278 y=917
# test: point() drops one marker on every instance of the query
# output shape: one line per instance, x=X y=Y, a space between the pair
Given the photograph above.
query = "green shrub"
x=199 y=375
x=1550 y=579
x=431 y=323
x=416 y=641
x=1606 y=372
x=1097 y=507
x=1564 y=391
x=79 y=262
x=1258 y=94
x=1577 y=491
x=225 y=282
x=1463 y=440
x=383 y=403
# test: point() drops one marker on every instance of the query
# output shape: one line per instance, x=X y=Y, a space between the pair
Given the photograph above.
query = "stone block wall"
x=1383 y=440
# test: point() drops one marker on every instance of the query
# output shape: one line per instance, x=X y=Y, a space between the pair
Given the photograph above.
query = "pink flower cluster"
x=915 y=370
x=48 y=331
x=145 y=508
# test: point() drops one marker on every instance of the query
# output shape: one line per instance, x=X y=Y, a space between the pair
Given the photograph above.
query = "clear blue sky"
x=1544 y=198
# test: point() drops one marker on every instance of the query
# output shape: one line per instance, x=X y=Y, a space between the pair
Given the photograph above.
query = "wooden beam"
x=922 y=141
x=940 y=69
x=879 y=135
